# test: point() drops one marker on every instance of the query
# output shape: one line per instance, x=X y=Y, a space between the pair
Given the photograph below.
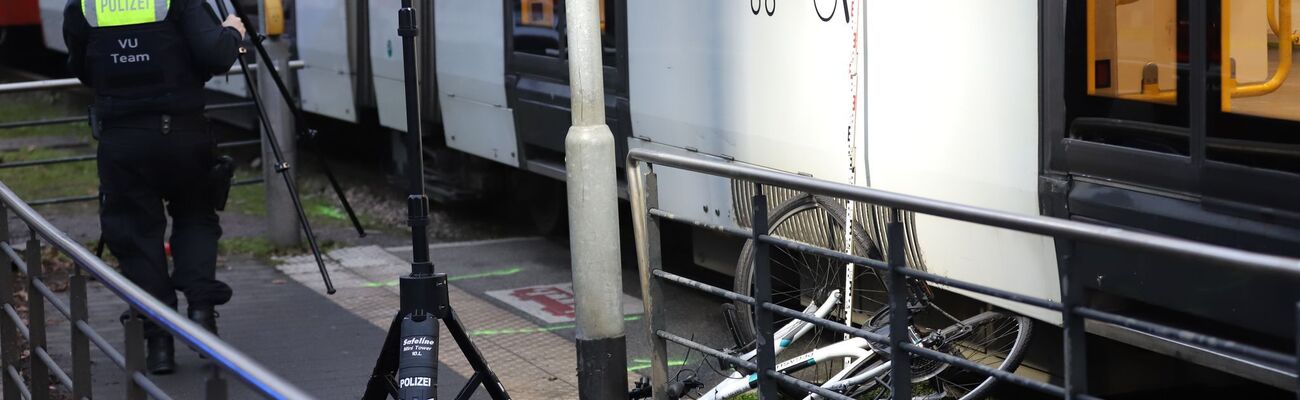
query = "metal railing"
x=643 y=194
x=41 y=366
x=92 y=157
x=65 y=83
x=84 y=118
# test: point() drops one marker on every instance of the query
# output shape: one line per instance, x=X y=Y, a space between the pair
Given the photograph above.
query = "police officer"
x=147 y=61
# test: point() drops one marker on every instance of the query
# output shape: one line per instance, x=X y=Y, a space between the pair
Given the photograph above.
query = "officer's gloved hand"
x=234 y=22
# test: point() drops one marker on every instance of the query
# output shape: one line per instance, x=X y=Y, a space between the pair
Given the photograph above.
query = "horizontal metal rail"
x=643 y=193
x=259 y=379
x=91 y=197
x=48 y=161
x=84 y=118
x=92 y=157
x=50 y=84
x=1055 y=227
x=780 y=377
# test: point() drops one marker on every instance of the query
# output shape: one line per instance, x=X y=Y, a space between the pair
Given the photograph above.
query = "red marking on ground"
x=554 y=300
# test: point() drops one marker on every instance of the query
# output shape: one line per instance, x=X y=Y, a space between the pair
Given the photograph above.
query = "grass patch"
x=251 y=200
x=261 y=248
x=38 y=106
x=46 y=181
x=247 y=199
x=253 y=246
x=320 y=208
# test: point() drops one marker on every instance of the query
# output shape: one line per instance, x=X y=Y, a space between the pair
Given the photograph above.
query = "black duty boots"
x=161 y=355
x=160 y=347
x=205 y=317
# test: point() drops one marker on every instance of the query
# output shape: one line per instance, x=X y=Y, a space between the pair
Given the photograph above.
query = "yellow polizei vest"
x=107 y=13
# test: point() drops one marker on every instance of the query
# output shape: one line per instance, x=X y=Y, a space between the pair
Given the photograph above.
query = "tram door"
x=1134 y=147
x=537 y=79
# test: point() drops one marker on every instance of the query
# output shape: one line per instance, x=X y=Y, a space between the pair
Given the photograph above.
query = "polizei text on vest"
x=124 y=5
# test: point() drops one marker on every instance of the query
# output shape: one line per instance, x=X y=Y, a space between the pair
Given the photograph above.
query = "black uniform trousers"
x=148 y=163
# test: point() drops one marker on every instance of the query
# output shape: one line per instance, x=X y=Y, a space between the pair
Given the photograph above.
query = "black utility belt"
x=165 y=123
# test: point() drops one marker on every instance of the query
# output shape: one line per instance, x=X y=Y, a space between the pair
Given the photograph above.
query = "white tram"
x=1076 y=109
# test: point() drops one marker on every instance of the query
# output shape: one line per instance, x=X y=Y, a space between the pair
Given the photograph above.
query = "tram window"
x=1127 y=79
x=1264 y=79
x=539 y=25
x=1126 y=61
x=1133 y=49
x=1260 y=94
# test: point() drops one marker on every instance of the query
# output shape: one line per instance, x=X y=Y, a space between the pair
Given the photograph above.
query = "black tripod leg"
x=470 y=387
x=300 y=120
x=338 y=189
x=383 y=382
x=280 y=166
x=475 y=358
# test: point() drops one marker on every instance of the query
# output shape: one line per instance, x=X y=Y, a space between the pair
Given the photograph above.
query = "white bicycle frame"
x=856 y=349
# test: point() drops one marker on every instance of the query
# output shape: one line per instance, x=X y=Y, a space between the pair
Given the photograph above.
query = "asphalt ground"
x=296 y=333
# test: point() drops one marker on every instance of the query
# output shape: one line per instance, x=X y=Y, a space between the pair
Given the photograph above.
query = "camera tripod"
x=407 y=368
x=280 y=165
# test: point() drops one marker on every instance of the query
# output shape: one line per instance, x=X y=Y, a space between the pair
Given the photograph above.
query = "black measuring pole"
x=417 y=370
x=407 y=367
x=280 y=166
x=300 y=122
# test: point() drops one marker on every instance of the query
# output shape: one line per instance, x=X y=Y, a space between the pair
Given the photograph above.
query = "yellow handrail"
x=1281 y=26
x=1227 y=70
x=1092 y=47
x=1271 y=13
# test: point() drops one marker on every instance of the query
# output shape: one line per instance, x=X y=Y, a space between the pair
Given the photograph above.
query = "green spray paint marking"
x=488 y=274
x=540 y=329
x=331 y=212
x=644 y=363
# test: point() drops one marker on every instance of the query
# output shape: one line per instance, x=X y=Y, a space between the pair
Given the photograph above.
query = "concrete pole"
x=593 y=215
x=281 y=217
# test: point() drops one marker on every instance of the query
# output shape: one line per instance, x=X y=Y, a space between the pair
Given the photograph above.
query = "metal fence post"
x=40 y=374
x=763 y=296
x=900 y=374
x=134 y=332
x=1076 y=356
x=215 y=386
x=81 y=382
x=652 y=292
x=9 y=351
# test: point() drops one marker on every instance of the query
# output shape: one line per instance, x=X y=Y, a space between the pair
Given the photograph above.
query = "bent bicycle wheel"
x=995 y=339
x=801 y=278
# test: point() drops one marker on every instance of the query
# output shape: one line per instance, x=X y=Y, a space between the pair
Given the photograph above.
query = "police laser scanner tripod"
x=281 y=166
x=407 y=368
